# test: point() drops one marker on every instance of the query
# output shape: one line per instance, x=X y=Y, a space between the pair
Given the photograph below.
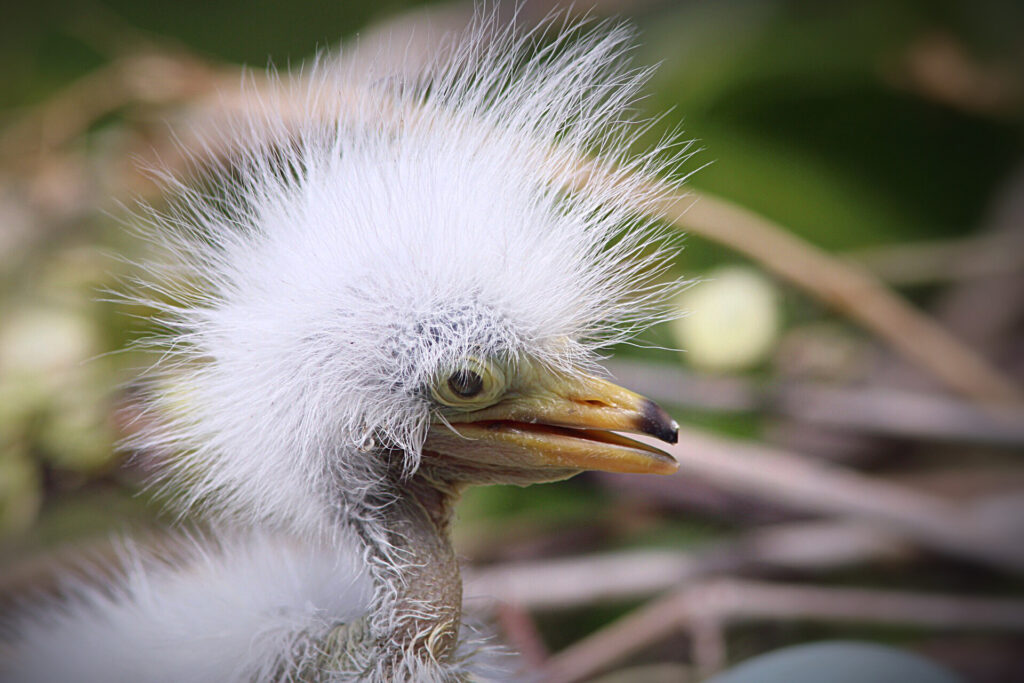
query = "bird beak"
x=562 y=424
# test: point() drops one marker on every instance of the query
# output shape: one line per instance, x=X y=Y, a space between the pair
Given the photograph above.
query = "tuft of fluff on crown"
x=362 y=232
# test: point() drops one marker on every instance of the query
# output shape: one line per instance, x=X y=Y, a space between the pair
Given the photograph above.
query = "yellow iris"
x=473 y=384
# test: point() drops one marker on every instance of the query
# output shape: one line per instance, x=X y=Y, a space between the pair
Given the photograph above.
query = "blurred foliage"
x=800 y=109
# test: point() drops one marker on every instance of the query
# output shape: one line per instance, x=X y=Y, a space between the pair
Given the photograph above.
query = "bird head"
x=518 y=421
x=390 y=275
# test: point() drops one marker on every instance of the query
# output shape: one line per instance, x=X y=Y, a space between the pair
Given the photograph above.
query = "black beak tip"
x=656 y=422
x=673 y=436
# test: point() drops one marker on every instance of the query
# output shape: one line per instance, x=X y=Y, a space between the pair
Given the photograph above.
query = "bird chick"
x=387 y=290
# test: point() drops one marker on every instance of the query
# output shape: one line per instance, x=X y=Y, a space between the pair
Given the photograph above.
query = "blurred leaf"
x=20 y=491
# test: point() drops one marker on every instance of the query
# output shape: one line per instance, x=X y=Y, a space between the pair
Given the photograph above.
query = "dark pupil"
x=466 y=383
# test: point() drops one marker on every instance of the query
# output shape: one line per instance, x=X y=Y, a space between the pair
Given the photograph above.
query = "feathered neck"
x=406 y=531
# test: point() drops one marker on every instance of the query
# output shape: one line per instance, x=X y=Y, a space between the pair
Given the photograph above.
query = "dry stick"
x=572 y=582
x=877 y=410
x=985 y=311
x=613 y=643
x=841 y=284
x=159 y=71
x=848 y=288
x=726 y=601
x=575 y=582
x=938 y=261
x=797 y=482
x=521 y=632
x=150 y=78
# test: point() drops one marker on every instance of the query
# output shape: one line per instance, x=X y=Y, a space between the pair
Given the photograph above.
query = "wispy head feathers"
x=366 y=231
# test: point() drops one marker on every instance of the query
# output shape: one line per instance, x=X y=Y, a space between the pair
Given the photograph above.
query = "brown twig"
x=728 y=601
x=585 y=580
x=939 y=67
x=803 y=484
x=848 y=288
x=840 y=284
x=614 y=643
x=521 y=632
x=942 y=260
x=150 y=78
x=876 y=410
x=986 y=311
x=612 y=577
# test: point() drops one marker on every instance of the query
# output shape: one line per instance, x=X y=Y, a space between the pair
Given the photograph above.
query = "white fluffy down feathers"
x=366 y=232
x=238 y=611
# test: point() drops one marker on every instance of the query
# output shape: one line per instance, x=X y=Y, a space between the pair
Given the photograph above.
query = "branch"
x=592 y=579
x=848 y=288
x=888 y=412
x=804 y=484
x=937 y=261
x=154 y=77
x=728 y=601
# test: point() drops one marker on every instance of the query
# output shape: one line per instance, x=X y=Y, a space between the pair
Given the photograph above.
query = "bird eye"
x=466 y=383
x=473 y=385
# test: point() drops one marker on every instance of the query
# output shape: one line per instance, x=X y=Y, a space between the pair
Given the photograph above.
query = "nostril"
x=594 y=403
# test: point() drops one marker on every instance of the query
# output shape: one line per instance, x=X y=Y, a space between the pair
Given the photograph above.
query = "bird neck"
x=419 y=588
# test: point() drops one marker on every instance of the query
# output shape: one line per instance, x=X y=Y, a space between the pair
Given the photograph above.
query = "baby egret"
x=388 y=289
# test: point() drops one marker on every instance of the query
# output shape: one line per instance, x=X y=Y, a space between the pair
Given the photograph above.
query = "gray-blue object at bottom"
x=837 y=662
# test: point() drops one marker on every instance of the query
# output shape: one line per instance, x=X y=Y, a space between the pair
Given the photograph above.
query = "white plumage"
x=241 y=610
x=364 y=236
